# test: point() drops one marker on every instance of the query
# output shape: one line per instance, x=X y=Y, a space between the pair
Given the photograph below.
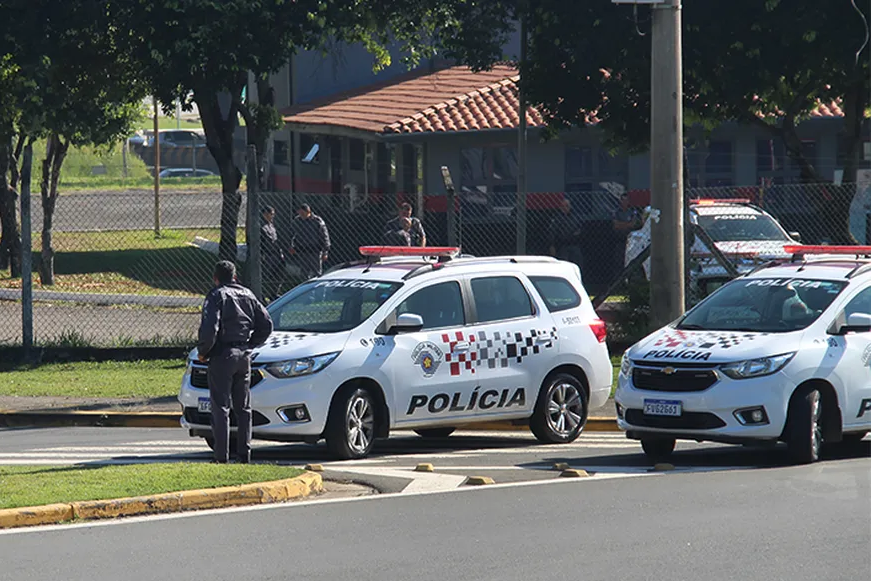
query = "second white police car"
x=781 y=354
x=400 y=340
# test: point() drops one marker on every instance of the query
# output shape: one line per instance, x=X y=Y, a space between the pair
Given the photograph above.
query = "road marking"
x=420 y=481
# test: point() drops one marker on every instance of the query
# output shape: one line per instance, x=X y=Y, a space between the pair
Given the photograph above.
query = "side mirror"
x=407 y=323
x=795 y=236
x=856 y=323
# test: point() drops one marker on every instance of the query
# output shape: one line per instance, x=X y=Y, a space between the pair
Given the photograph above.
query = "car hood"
x=677 y=346
x=761 y=248
x=284 y=345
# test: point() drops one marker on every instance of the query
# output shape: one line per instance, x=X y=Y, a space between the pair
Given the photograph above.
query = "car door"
x=427 y=388
x=505 y=346
x=854 y=367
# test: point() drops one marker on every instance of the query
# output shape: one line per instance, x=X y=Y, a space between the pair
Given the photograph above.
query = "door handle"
x=462 y=346
x=543 y=338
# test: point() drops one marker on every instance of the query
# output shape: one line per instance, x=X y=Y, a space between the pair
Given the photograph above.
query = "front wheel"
x=350 y=432
x=805 y=427
x=560 y=411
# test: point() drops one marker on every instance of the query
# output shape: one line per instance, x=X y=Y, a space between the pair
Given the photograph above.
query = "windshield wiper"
x=691 y=327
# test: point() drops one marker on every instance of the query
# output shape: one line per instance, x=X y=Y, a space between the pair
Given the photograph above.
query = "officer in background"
x=310 y=243
x=233 y=323
x=401 y=236
x=415 y=231
x=271 y=256
x=565 y=235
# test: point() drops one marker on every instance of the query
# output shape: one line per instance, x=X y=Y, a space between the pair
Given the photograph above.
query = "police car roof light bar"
x=387 y=251
x=711 y=201
x=799 y=251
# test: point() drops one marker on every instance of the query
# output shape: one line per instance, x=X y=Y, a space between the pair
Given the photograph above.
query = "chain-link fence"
x=127 y=275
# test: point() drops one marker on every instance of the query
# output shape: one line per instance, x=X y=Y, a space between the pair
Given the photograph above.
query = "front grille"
x=194 y=416
x=200 y=377
x=680 y=379
x=685 y=421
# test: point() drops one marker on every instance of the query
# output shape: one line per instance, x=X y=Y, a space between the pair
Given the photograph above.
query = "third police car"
x=400 y=340
x=781 y=354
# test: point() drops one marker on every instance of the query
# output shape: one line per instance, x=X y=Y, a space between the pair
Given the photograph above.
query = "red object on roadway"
x=383 y=251
x=826 y=249
x=599 y=330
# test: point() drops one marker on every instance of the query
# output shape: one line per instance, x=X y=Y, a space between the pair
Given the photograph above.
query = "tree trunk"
x=51 y=166
x=219 y=139
x=10 y=241
x=261 y=133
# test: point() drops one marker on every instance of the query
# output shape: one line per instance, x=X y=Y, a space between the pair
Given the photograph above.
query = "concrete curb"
x=246 y=494
x=38 y=419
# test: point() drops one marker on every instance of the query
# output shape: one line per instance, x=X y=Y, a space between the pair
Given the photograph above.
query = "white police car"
x=781 y=354
x=404 y=341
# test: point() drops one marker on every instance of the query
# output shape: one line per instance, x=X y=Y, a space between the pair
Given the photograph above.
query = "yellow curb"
x=257 y=493
x=424 y=467
x=572 y=473
x=479 y=480
x=35 y=515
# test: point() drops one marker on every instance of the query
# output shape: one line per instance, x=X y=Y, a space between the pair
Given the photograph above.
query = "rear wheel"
x=435 y=432
x=560 y=411
x=350 y=432
x=658 y=449
x=805 y=427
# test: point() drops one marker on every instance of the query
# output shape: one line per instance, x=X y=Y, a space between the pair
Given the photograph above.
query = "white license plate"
x=204 y=405
x=662 y=407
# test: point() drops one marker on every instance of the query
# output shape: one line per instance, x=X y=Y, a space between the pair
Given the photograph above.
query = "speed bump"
x=572 y=473
x=479 y=480
x=663 y=467
x=424 y=467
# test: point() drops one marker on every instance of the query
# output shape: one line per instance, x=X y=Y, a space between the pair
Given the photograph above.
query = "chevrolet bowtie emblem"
x=668 y=370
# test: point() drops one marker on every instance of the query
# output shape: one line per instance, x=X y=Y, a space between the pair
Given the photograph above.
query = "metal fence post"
x=26 y=255
x=252 y=236
x=451 y=206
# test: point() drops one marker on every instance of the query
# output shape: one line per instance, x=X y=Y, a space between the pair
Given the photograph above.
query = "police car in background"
x=781 y=354
x=401 y=340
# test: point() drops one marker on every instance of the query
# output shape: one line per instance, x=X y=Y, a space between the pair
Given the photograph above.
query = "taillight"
x=599 y=330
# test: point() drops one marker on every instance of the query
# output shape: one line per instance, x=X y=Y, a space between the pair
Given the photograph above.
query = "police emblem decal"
x=427 y=356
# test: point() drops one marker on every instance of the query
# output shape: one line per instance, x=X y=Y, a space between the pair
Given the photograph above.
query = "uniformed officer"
x=233 y=323
x=271 y=255
x=565 y=235
x=415 y=231
x=311 y=241
x=399 y=237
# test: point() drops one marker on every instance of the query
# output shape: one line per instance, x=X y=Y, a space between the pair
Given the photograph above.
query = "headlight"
x=625 y=366
x=303 y=366
x=756 y=367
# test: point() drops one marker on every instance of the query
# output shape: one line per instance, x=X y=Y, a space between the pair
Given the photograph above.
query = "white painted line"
x=420 y=481
x=295 y=504
x=114 y=450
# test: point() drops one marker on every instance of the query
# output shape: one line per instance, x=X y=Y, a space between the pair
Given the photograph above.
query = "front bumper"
x=272 y=402
x=711 y=414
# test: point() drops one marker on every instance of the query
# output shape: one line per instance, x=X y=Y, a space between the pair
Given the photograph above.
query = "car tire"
x=658 y=449
x=804 y=437
x=435 y=432
x=560 y=411
x=350 y=432
x=210 y=441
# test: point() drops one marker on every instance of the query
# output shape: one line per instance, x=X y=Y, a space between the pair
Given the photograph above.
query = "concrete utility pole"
x=521 y=146
x=667 y=288
x=156 y=145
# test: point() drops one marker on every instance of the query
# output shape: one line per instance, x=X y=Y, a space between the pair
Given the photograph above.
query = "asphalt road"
x=133 y=210
x=102 y=324
x=781 y=522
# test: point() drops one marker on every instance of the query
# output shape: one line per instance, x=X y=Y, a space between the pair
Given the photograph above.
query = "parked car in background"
x=181 y=138
x=185 y=172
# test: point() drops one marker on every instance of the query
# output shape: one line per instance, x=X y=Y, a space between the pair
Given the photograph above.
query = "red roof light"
x=710 y=202
x=826 y=249
x=384 y=251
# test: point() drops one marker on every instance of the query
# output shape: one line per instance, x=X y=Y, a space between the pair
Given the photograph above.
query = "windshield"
x=329 y=306
x=771 y=305
x=742 y=227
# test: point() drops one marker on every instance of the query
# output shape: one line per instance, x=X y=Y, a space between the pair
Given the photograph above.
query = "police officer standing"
x=233 y=323
x=311 y=241
x=415 y=231
x=565 y=235
x=271 y=255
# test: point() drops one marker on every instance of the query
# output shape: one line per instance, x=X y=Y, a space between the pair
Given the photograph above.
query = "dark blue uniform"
x=311 y=241
x=233 y=323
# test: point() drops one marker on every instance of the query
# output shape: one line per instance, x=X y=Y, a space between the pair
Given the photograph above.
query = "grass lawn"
x=109 y=183
x=107 y=379
x=128 y=262
x=39 y=485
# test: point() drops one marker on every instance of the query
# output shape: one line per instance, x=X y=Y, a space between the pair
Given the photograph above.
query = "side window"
x=440 y=305
x=558 y=293
x=861 y=303
x=500 y=297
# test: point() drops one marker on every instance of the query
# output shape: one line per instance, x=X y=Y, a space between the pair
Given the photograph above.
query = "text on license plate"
x=204 y=405
x=662 y=407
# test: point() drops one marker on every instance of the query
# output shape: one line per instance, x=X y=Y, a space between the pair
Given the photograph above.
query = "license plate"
x=204 y=405
x=662 y=407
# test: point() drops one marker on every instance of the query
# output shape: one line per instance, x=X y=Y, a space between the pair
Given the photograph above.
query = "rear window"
x=557 y=293
x=500 y=298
